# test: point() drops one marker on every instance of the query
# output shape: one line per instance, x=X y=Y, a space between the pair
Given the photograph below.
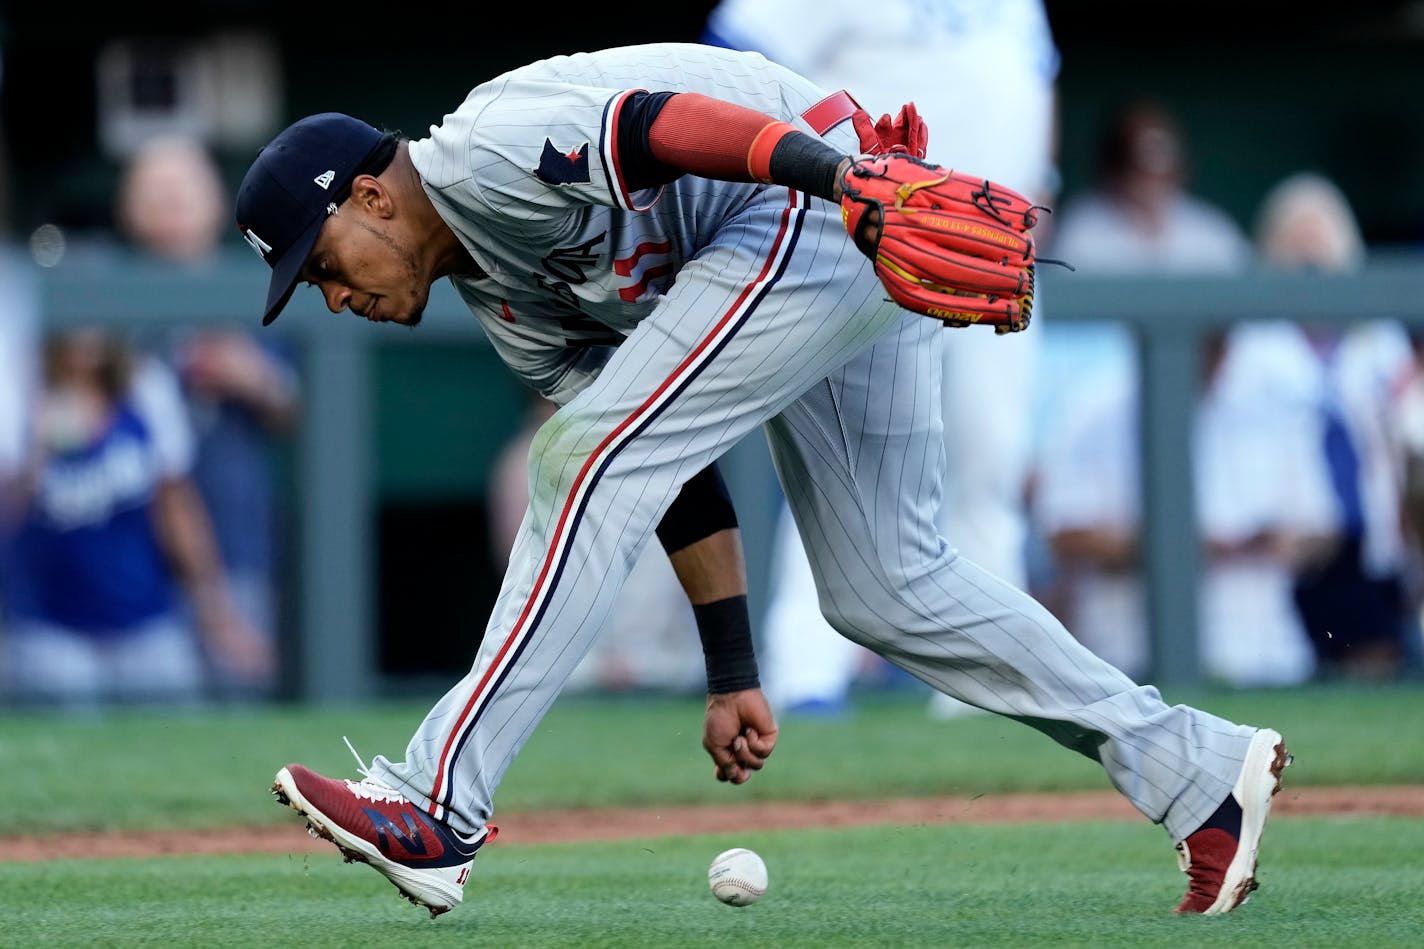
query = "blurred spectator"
x=241 y=390
x=1263 y=503
x=806 y=664
x=651 y=641
x=1353 y=603
x=1140 y=217
x=1085 y=506
x=171 y=202
x=112 y=526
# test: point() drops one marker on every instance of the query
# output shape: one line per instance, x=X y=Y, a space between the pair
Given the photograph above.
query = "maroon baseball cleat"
x=1219 y=858
x=425 y=858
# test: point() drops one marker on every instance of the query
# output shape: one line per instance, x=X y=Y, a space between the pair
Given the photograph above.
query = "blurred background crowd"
x=156 y=469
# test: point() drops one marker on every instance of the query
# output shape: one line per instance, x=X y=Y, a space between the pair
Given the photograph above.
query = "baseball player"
x=651 y=237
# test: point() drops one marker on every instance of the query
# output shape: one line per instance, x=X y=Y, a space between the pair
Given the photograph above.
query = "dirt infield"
x=620 y=823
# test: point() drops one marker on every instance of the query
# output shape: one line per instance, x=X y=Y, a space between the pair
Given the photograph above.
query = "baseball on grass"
x=737 y=877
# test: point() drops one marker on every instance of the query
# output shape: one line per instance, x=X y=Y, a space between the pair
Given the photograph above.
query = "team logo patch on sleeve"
x=563 y=168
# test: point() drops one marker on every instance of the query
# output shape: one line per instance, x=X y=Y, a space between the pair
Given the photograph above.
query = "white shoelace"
x=361 y=768
x=368 y=787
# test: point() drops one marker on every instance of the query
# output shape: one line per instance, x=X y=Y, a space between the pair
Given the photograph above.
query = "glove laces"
x=907 y=190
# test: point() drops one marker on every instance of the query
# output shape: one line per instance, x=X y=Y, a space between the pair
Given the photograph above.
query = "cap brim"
x=288 y=269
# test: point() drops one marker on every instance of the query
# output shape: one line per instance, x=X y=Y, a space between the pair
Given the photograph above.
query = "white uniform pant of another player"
x=780 y=321
x=156 y=661
x=982 y=514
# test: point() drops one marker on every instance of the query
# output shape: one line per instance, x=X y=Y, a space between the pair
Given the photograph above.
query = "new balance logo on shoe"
x=410 y=839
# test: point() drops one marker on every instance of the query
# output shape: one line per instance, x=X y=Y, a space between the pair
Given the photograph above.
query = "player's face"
x=361 y=263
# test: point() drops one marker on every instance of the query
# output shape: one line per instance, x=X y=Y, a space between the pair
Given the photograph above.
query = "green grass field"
x=1347 y=881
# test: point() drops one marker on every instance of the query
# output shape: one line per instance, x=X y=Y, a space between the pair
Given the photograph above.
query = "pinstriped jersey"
x=526 y=172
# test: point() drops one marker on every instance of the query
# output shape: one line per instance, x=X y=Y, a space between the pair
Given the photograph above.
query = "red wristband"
x=759 y=155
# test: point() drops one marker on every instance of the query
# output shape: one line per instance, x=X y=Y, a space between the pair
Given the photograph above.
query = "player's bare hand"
x=739 y=732
x=241 y=649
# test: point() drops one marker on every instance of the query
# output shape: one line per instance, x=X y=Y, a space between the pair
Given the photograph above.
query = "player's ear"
x=368 y=193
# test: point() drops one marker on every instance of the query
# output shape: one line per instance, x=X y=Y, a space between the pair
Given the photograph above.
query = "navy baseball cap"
x=296 y=182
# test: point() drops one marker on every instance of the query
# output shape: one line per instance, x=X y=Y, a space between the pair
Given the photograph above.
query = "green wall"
x=444 y=411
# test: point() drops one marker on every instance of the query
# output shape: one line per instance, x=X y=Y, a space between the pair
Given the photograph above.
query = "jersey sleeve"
x=529 y=152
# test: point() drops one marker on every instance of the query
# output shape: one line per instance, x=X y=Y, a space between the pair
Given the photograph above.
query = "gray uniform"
x=671 y=323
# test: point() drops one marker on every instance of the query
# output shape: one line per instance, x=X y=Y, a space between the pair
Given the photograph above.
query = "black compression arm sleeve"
x=701 y=509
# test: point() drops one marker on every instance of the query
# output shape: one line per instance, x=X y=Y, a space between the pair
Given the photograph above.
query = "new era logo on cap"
x=277 y=200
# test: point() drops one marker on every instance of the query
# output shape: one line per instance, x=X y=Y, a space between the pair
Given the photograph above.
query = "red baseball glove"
x=950 y=246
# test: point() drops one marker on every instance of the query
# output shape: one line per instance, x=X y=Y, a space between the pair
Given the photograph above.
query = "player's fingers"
x=730 y=766
x=731 y=774
x=724 y=764
x=746 y=755
x=759 y=744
